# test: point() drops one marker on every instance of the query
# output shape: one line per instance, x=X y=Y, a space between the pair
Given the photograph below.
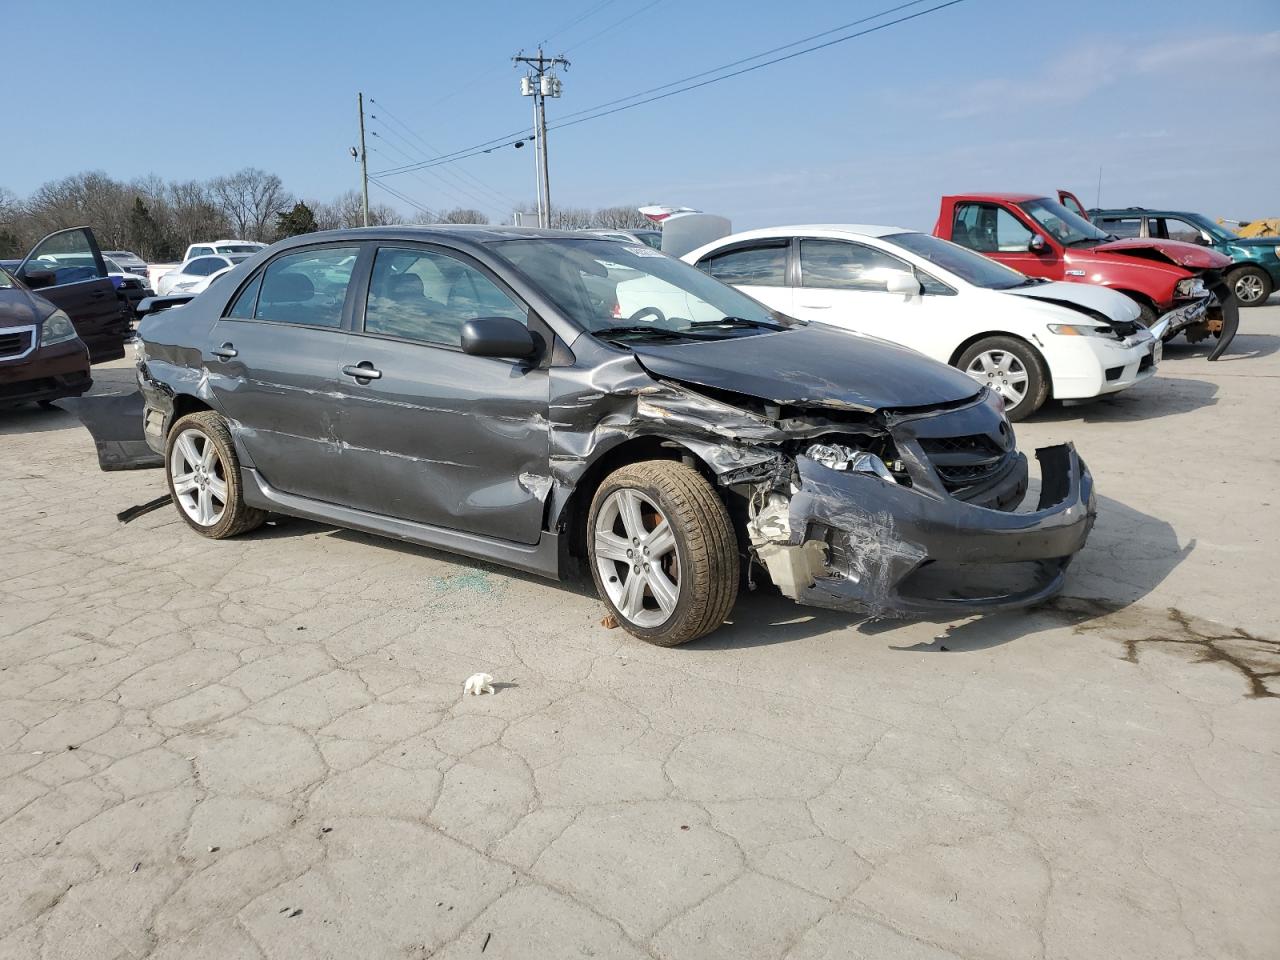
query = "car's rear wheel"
x=1251 y=285
x=1013 y=369
x=662 y=552
x=204 y=477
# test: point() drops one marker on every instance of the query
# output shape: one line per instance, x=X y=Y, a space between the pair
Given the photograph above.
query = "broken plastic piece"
x=477 y=684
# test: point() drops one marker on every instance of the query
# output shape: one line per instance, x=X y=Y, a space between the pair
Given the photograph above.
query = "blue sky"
x=1173 y=99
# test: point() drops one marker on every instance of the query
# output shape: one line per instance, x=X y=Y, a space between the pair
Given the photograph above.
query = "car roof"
x=797 y=230
x=452 y=232
x=1008 y=197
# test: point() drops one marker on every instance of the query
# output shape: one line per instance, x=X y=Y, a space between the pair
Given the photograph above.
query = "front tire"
x=1251 y=285
x=204 y=477
x=662 y=552
x=1012 y=368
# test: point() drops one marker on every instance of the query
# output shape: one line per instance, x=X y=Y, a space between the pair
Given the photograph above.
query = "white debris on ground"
x=477 y=684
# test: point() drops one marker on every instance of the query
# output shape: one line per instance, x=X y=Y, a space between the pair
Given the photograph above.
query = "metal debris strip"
x=141 y=509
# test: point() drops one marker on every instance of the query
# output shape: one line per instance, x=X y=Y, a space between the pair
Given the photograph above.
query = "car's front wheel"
x=663 y=552
x=1251 y=285
x=1013 y=369
x=204 y=477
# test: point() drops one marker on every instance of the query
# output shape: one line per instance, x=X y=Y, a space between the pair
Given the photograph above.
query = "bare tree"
x=345 y=212
x=621 y=218
x=462 y=215
x=250 y=200
x=193 y=214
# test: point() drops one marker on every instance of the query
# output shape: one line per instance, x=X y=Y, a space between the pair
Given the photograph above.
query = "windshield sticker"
x=644 y=251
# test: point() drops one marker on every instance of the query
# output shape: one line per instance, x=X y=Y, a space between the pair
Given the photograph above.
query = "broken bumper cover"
x=856 y=542
x=1218 y=312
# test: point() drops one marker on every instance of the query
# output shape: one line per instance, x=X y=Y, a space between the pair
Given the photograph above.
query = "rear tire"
x=662 y=552
x=1012 y=368
x=1251 y=285
x=204 y=477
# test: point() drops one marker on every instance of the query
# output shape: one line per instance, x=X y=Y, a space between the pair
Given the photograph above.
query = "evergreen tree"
x=295 y=222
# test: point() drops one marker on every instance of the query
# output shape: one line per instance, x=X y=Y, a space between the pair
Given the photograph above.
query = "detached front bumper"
x=854 y=541
x=1216 y=314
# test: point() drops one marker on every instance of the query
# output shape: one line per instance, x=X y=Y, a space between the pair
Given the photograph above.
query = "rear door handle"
x=363 y=371
x=816 y=306
x=225 y=352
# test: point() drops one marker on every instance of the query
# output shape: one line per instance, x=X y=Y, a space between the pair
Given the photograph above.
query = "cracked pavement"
x=259 y=748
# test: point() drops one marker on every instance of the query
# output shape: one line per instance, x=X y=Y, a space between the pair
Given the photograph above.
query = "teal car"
x=1256 y=270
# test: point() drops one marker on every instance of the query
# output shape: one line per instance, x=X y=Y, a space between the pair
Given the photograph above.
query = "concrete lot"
x=259 y=748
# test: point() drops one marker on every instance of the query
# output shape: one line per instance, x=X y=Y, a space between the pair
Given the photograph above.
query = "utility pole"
x=541 y=82
x=364 y=164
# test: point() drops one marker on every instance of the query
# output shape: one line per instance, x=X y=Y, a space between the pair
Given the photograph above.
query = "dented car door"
x=432 y=434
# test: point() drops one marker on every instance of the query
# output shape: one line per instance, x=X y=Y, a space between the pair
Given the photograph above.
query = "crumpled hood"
x=1180 y=254
x=814 y=365
x=1090 y=296
x=19 y=308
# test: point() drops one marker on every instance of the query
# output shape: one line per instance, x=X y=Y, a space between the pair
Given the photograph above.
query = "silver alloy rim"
x=635 y=553
x=1249 y=288
x=199 y=477
x=1002 y=372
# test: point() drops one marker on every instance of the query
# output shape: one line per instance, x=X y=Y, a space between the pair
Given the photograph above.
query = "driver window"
x=988 y=228
x=750 y=266
x=427 y=296
x=1171 y=228
x=69 y=255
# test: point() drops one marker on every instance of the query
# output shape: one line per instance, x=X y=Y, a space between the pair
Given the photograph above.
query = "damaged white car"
x=1027 y=339
x=473 y=389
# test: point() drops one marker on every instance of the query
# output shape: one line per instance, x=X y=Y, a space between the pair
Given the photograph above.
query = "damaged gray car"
x=477 y=389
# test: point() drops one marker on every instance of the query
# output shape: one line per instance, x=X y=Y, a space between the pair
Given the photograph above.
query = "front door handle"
x=225 y=352
x=816 y=306
x=363 y=371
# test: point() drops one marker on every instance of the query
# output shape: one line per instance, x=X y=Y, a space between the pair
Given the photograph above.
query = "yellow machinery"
x=1253 y=228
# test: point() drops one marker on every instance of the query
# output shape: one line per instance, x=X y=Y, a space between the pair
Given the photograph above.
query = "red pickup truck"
x=1180 y=287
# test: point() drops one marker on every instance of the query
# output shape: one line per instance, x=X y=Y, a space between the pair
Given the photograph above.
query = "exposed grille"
x=13 y=344
x=965 y=461
x=1146 y=363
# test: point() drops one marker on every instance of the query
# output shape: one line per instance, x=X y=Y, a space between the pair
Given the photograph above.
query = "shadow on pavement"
x=1156 y=399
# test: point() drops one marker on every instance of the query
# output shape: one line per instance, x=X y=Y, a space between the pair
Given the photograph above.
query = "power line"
x=734 y=63
x=454 y=188
x=490 y=145
x=402 y=197
x=461 y=171
x=592 y=11
x=616 y=23
x=759 y=66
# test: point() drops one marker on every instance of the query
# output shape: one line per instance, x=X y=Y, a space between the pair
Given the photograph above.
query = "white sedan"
x=193 y=275
x=1027 y=339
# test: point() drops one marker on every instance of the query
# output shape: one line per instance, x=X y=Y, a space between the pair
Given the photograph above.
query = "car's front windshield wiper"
x=658 y=333
x=737 y=322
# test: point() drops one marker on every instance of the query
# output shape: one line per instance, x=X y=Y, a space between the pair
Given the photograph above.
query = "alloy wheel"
x=199 y=477
x=1249 y=288
x=635 y=554
x=1002 y=372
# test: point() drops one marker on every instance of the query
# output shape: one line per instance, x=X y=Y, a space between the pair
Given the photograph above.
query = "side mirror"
x=39 y=279
x=903 y=284
x=1037 y=244
x=503 y=337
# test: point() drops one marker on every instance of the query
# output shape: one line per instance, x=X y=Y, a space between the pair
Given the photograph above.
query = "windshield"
x=245 y=248
x=6 y=281
x=614 y=289
x=112 y=266
x=1060 y=223
x=965 y=264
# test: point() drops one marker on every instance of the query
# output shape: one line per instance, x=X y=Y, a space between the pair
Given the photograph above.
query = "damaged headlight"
x=1191 y=287
x=836 y=456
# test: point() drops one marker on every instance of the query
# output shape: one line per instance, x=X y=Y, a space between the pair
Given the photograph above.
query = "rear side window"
x=750 y=266
x=247 y=302
x=423 y=295
x=308 y=287
x=1122 y=227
